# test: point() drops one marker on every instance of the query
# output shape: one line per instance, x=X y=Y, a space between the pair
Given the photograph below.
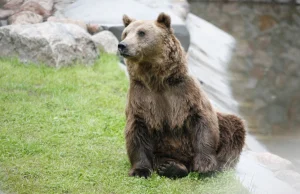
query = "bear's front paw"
x=140 y=172
x=172 y=169
x=204 y=164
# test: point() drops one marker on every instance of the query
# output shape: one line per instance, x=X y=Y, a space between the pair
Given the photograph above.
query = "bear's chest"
x=167 y=108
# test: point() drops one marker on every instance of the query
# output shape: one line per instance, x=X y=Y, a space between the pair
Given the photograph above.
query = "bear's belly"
x=175 y=145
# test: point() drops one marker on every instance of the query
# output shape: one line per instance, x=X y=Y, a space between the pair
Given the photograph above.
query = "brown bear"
x=171 y=127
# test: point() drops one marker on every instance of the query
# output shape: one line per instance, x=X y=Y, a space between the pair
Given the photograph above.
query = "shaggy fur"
x=171 y=126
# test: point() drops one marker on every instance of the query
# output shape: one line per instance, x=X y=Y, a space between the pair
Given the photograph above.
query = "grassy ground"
x=61 y=131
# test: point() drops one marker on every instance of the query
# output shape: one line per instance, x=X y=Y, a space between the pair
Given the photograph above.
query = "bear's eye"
x=141 y=33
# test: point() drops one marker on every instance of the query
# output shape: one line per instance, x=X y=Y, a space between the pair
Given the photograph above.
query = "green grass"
x=61 y=131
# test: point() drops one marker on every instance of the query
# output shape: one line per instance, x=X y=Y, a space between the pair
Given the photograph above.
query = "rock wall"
x=266 y=65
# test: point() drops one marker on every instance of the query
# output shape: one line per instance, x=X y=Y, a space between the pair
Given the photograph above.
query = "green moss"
x=61 y=131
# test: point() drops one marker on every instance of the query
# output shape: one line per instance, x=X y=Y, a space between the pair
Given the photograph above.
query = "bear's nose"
x=121 y=46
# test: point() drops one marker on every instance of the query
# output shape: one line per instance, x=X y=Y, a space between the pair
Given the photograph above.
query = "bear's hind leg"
x=232 y=140
x=171 y=169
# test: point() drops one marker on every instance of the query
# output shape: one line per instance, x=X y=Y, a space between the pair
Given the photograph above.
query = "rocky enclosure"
x=31 y=33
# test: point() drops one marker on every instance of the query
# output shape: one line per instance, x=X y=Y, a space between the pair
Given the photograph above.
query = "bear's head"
x=145 y=40
x=153 y=55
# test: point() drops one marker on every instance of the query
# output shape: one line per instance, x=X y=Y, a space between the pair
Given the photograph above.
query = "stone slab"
x=109 y=14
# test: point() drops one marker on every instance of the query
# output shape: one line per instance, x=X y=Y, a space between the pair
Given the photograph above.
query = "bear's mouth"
x=125 y=55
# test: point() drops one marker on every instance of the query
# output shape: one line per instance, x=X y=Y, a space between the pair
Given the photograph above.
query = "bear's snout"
x=122 y=47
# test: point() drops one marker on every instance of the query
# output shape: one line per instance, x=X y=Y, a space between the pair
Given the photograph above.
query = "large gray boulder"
x=106 y=41
x=53 y=44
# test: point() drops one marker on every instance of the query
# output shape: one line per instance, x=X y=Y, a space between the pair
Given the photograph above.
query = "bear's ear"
x=127 y=20
x=164 y=19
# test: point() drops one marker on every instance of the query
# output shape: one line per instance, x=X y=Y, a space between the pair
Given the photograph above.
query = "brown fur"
x=232 y=136
x=171 y=126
